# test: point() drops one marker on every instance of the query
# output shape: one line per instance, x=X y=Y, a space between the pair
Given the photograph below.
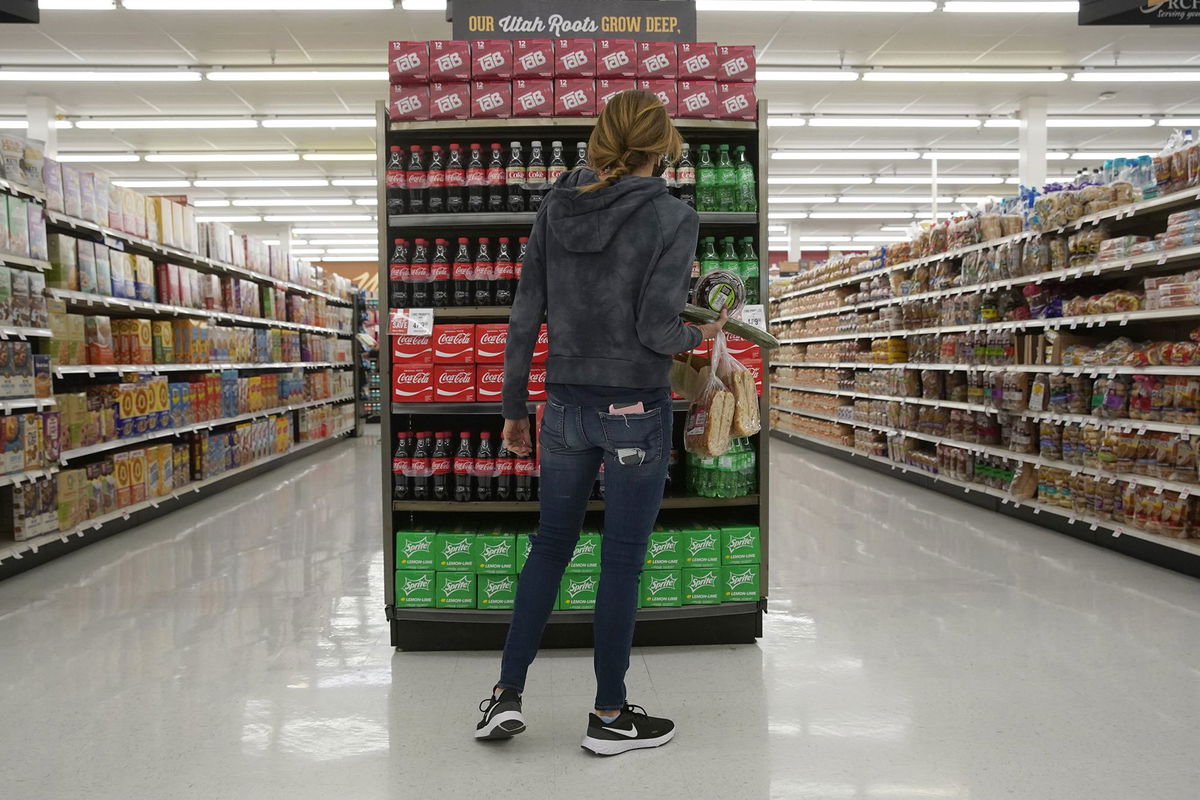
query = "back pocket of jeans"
x=552 y=436
x=634 y=439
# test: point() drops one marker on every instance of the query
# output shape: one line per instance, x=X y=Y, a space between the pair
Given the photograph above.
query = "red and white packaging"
x=736 y=101
x=697 y=61
x=608 y=88
x=408 y=62
x=697 y=99
x=537 y=382
x=449 y=100
x=574 y=97
x=490 y=340
x=454 y=344
x=533 y=58
x=574 y=58
x=666 y=91
x=454 y=383
x=735 y=63
x=755 y=368
x=408 y=102
x=658 y=60
x=532 y=98
x=491 y=99
x=541 y=348
x=616 y=58
x=412 y=384
x=741 y=349
x=492 y=59
x=449 y=60
x=411 y=351
x=489 y=383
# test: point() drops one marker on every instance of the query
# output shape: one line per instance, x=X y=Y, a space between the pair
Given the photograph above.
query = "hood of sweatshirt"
x=587 y=222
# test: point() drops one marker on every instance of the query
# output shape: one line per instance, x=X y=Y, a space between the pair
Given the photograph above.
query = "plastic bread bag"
x=709 y=418
x=739 y=381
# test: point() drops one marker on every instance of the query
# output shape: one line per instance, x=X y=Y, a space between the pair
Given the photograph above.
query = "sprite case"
x=578 y=591
x=455 y=552
x=662 y=588
x=701 y=547
x=415 y=588
x=702 y=587
x=665 y=549
x=496 y=591
x=415 y=549
x=495 y=553
x=524 y=545
x=456 y=589
x=587 y=554
x=740 y=545
x=740 y=583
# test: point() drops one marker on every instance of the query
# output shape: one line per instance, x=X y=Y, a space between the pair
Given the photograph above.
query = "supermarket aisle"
x=917 y=648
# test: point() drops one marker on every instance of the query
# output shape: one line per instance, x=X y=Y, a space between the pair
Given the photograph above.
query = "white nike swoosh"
x=631 y=733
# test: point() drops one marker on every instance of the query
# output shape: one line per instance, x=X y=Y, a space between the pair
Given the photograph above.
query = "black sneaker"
x=502 y=718
x=634 y=729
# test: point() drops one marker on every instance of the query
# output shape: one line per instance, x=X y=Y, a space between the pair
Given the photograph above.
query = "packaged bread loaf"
x=710 y=418
x=738 y=380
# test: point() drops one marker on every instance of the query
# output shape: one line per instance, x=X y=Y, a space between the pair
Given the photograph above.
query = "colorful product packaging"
x=661 y=588
x=574 y=97
x=491 y=99
x=455 y=552
x=578 y=592
x=740 y=544
x=454 y=383
x=664 y=549
x=492 y=59
x=415 y=588
x=412 y=384
x=449 y=60
x=456 y=590
x=608 y=88
x=449 y=100
x=489 y=383
x=408 y=62
x=616 y=58
x=415 y=549
x=533 y=97
x=698 y=99
x=702 y=586
x=657 y=60
x=586 y=558
x=408 y=102
x=736 y=101
x=496 y=591
x=741 y=583
x=574 y=58
x=665 y=90
x=495 y=553
x=533 y=58
x=735 y=63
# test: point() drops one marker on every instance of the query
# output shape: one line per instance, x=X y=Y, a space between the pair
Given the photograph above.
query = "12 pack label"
x=664 y=550
x=455 y=552
x=415 y=588
x=740 y=584
x=496 y=591
x=456 y=589
x=415 y=549
x=740 y=544
x=701 y=547
x=495 y=553
x=661 y=588
x=702 y=586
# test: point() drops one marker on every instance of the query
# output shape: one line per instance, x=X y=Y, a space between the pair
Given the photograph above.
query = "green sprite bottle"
x=727 y=181
x=747 y=194
x=709 y=260
x=748 y=269
x=706 y=181
x=729 y=257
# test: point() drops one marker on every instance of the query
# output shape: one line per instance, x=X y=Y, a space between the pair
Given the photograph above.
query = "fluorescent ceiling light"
x=1002 y=123
x=354 y=182
x=98 y=75
x=162 y=124
x=258 y=5
x=787 y=215
x=777 y=229
x=845 y=155
x=1103 y=156
x=816 y=180
x=799 y=198
x=270 y=242
x=866 y=199
x=1010 y=7
x=297 y=75
x=298 y=243
x=943 y=180
x=333 y=231
x=786 y=122
x=778 y=240
x=97 y=158
x=367 y=201
x=806 y=75
x=13 y=124
x=318 y=122
x=822 y=238
x=172 y=158
x=1136 y=76
x=151 y=183
x=964 y=76
x=860 y=215
x=1179 y=122
x=882 y=239
x=894 y=122
x=251 y=183
x=344 y=258
x=293 y=201
x=76 y=5
x=1099 y=122
x=338 y=156
x=317 y=218
x=836 y=6
x=233 y=218
x=423 y=5
x=342 y=241
x=349 y=251
x=973 y=155
x=895 y=228
x=211 y=203
x=307 y=251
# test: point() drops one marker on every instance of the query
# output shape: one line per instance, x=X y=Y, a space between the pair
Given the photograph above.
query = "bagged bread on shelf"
x=739 y=381
x=707 y=431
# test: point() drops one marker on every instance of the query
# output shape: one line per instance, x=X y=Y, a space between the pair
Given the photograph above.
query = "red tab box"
x=666 y=91
x=408 y=62
x=616 y=58
x=742 y=349
x=490 y=340
x=574 y=97
x=698 y=99
x=491 y=99
x=657 y=60
x=408 y=102
x=449 y=60
x=411 y=351
x=698 y=61
x=454 y=383
x=608 y=88
x=533 y=58
x=533 y=98
x=489 y=383
x=541 y=348
x=735 y=63
x=492 y=59
x=736 y=101
x=449 y=100
x=537 y=383
x=412 y=384
x=574 y=58
x=454 y=344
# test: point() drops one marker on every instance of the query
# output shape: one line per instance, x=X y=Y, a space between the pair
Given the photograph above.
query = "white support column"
x=1033 y=141
x=933 y=187
x=40 y=113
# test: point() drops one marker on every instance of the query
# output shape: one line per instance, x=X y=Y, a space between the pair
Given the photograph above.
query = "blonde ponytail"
x=634 y=129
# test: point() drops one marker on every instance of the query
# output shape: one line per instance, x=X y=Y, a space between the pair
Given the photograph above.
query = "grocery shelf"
x=535 y=124
x=473 y=312
x=156 y=369
x=503 y=617
x=22 y=261
x=514 y=506
x=479 y=408
x=32 y=403
x=8 y=187
x=15 y=478
x=1053 y=369
x=526 y=218
x=7 y=331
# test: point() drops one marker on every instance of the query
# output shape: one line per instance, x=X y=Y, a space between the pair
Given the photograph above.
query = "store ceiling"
x=821 y=40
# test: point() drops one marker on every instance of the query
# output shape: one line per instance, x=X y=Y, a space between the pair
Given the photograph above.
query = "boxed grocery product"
x=412 y=384
x=496 y=591
x=698 y=99
x=6 y=309
x=701 y=586
x=85 y=257
x=456 y=590
x=701 y=546
x=18 y=227
x=608 y=88
x=415 y=588
x=661 y=588
x=37 y=231
x=491 y=99
x=7 y=377
x=449 y=100
x=98 y=336
x=698 y=61
x=489 y=383
x=4 y=227
x=21 y=301
x=415 y=549
x=533 y=58
x=533 y=97
x=87 y=196
x=408 y=102
x=408 y=62
x=143 y=279
x=38 y=316
x=449 y=60
x=454 y=344
x=735 y=63
x=12 y=444
x=103 y=271
x=665 y=549
x=52 y=178
x=574 y=97
x=454 y=551
x=736 y=101
x=492 y=59
x=21 y=366
x=537 y=383
x=741 y=583
x=77 y=338
x=103 y=188
x=659 y=60
x=454 y=383
x=740 y=545
x=490 y=341
x=574 y=58
x=578 y=592
x=616 y=58
x=495 y=553
x=524 y=545
x=586 y=557
x=72 y=204
x=665 y=90
x=122 y=471
x=412 y=350
x=12 y=151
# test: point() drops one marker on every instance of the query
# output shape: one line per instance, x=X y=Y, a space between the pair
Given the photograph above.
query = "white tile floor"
x=917 y=648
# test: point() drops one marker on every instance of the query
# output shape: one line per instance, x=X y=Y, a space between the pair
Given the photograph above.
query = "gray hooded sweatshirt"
x=609 y=272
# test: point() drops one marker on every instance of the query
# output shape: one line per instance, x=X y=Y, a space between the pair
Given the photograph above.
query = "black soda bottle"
x=401 y=461
x=485 y=468
x=505 y=468
x=514 y=179
x=485 y=291
x=476 y=178
x=439 y=273
x=685 y=177
x=523 y=478
x=435 y=179
x=395 y=181
x=456 y=181
x=464 y=465
x=557 y=164
x=535 y=177
x=519 y=264
x=496 y=179
x=464 y=271
x=418 y=274
x=419 y=467
x=505 y=272
x=415 y=179
x=439 y=466
x=398 y=275
x=580 y=155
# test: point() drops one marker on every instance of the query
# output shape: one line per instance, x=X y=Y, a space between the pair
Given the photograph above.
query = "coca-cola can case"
x=449 y=100
x=492 y=59
x=541 y=348
x=454 y=344
x=574 y=58
x=735 y=63
x=489 y=383
x=698 y=99
x=616 y=58
x=491 y=99
x=742 y=349
x=533 y=58
x=574 y=97
x=408 y=62
x=449 y=60
x=736 y=101
x=657 y=60
x=537 y=382
x=666 y=91
x=412 y=384
x=608 y=88
x=408 y=102
x=454 y=383
x=755 y=368
x=490 y=340
x=698 y=61
x=411 y=351
x=533 y=97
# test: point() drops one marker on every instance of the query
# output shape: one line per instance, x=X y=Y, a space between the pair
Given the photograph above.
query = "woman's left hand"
x=516 y=436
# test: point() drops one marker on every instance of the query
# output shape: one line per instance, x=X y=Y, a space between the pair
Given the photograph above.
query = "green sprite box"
x=524 y=544
x=702 y=587
x=740 y=545
x=496 y=591
x=587 y=554
x=454 y=552
x=495 y=553
x=415 y=588
x=456 y=589
x=740 y=583
x=665 y=550
x=701 y=546
x=661 y=588
x=578 y=591
x=415 y=549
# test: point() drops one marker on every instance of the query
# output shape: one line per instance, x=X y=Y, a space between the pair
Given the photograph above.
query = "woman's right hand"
x=709 y=329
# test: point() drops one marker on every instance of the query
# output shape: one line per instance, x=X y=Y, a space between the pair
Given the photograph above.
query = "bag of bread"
x=707 y=432
x=739 y=380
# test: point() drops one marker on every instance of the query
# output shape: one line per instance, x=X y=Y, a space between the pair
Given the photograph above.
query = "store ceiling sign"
x=644 y=20
x=1139 y=12
x=20 y=11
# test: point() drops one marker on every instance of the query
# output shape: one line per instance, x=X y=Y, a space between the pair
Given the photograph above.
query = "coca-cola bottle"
x=485 y=468
x=464 y=466
x=398 y=275
x=496 y=178
x=523 y=478
x=476 y=179
x=439 y=273
x=558 y=164
x=419 y=467
x=401 y=464
x=505 y=469
x=505 y=273
x=535 y=177
x=514 y=179
x=436 y=181
x=395 y=181
x=416 y=180
x=485 y=291
x=464 y=271
x=685 y=177
x=418 y=276
x=439 y=466
x=519 y=264
x=580 y=155
x=456 y=180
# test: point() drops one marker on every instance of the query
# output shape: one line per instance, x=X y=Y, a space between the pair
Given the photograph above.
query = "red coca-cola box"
x=489 y=383
x=537 y=383
x=492 y=59
x=608 y=88
x=491 y=99
x=666 y=91
x=657 y=60
x=533 y=58
x=574 y=97
x=697 y=99
x=408 y=102
x=490 y=340
x=408 y=62
x=735 y=63
x=736 y=101
x=449 y=100
x=532 y=98
x=454 y=344
x=755 y=368
x=454 y=383
x=412 y=384
x=698 y=61
x=411 y=351
x=616 y=58
x=449 y=60
x=541 y=348
x=574 y=58
x=742 y=349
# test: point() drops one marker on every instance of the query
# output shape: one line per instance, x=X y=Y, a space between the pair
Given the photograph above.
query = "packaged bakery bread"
x=710 y=418
x=739 y=381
